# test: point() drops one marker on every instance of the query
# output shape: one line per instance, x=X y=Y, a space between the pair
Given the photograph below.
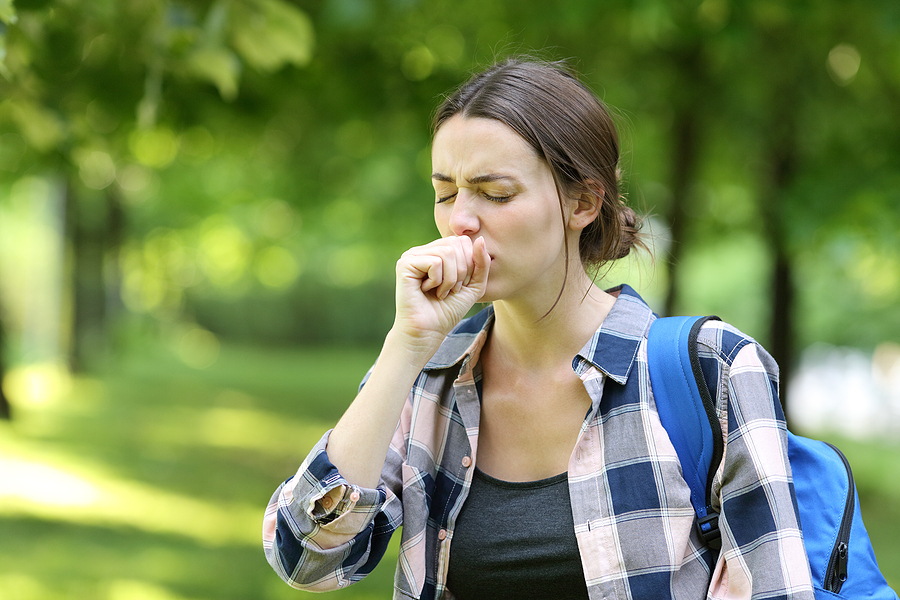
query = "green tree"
x=101 y=91
x=741 y=121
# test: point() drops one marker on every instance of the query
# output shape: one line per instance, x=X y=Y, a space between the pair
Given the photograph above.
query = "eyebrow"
x=475 y=180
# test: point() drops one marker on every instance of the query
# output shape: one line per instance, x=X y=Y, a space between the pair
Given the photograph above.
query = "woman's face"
x=489 y=183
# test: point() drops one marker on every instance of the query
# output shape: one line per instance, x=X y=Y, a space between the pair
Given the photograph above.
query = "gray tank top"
x=516 y=540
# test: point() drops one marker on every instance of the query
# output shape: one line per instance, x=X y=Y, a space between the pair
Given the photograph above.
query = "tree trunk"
x=782 y=154
x=5 y=409
x=782 y=327
x=684 y=158
x=114 y=238
x=86 y=222
x=684 y=165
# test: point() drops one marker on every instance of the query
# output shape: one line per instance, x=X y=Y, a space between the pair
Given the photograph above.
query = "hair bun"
x=631 y=227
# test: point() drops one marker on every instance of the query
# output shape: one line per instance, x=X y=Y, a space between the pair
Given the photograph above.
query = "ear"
x=584 y=206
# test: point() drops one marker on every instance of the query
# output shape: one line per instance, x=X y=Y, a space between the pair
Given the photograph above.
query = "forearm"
x=359 y=443
x=437 y=284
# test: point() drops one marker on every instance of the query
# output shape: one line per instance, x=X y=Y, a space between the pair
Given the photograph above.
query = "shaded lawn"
x=149 y=483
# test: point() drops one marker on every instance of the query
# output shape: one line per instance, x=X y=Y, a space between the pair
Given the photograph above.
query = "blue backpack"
x=840 y=554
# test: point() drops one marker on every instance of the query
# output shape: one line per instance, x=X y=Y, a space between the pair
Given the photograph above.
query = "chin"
x=490 y=295
x=494 y=293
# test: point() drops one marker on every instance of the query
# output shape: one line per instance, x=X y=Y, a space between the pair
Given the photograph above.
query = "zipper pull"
x=840 y=568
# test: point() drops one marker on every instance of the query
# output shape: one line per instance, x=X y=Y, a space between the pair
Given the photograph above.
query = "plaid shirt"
x=633 y=517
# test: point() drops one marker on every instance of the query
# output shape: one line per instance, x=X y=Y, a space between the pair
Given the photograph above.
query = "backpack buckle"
x=708 y=528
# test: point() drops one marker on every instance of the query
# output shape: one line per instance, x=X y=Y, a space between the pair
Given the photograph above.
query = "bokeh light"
x=843 y=63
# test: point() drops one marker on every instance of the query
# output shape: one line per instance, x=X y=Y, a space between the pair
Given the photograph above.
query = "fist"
x=439 y=282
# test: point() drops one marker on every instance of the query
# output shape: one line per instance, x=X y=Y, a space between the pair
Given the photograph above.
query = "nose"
x=464 y=219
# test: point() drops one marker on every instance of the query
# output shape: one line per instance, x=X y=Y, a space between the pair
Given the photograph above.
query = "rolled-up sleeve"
x=319 y=531
x=762 y=551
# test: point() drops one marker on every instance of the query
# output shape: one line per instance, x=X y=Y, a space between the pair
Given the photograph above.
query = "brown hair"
x=570 y=129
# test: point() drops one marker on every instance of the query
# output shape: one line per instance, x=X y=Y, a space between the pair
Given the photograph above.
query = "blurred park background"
x=201 y=202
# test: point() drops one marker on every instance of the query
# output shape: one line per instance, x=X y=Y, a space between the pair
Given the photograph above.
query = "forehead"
x=475 y=146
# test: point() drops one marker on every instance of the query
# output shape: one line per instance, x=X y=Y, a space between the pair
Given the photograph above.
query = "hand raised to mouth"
x=438 y=283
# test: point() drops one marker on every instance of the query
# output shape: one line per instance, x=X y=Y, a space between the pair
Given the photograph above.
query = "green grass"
x=149 y=483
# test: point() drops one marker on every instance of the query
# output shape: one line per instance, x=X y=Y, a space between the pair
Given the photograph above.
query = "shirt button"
x=467 y=461
x=354 y=497
x=442 y=534
x=327 y=502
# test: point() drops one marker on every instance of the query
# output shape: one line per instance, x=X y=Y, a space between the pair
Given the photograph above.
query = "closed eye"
x=497 y=199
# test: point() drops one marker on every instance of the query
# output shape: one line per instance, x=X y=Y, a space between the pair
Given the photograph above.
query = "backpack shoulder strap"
x=686 y=411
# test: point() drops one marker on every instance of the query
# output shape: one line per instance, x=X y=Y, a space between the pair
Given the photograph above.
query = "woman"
x=520 y=449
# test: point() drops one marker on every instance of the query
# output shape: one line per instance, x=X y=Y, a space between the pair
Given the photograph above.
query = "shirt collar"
x=612 y=349
x=462 y=340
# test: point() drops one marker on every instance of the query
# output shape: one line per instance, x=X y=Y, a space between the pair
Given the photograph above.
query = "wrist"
x=417 y=346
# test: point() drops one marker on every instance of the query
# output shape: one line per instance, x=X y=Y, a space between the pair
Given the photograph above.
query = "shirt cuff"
x=324 y=497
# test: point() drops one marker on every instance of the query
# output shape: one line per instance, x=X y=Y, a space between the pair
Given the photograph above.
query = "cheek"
x=442 y=220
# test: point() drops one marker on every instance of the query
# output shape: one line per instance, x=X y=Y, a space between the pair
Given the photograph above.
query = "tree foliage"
x=255 y=168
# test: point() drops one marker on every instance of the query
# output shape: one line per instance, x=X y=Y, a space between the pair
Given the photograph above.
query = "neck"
x=528 y=336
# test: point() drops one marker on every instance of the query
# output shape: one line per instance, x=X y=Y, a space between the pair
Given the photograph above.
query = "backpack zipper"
x=836 y=574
